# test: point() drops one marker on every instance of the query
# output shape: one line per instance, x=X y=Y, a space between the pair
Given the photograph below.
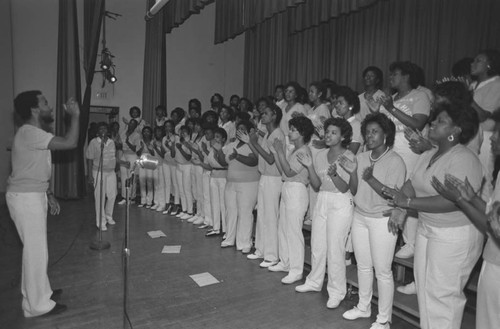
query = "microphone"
x=155 y=9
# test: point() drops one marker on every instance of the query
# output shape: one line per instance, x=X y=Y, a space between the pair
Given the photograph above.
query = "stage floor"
x=161 y=292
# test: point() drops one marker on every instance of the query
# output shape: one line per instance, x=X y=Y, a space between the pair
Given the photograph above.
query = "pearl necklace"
x=372 y=160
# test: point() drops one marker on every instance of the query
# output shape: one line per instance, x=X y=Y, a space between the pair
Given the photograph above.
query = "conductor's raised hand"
x=72 y=107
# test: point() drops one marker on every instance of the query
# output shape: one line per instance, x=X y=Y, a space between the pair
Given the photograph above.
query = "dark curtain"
x=92 y=21
x=432 y=33
x=154 y=82
x=176 y=12
x=68 y=165
x=233 y=17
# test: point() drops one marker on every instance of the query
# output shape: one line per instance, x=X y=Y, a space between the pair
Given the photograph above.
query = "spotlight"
x=110 y=76
x=106 y=61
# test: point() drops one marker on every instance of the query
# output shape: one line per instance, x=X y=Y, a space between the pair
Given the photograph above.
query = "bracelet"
x=393 y=109
x=459 y=198
x=408 y=200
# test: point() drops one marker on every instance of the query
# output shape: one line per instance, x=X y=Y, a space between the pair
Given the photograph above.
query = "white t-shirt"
x=31 y=160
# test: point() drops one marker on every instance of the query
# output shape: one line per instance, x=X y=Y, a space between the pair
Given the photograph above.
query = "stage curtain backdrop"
x=69 y=180
x=93 y=13
x=432 y=33
x=233 y=17
x=176 y=12
x=154 y=80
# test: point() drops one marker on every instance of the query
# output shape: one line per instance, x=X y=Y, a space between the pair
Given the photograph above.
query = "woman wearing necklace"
x=333 y=212
x=373 y=243
x=447 y=245
x=408 y=107
x=293 y=108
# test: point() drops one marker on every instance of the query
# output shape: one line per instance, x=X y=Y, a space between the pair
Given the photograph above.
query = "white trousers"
x=444 y=258
x=330 y=226
x=146 y=185
x=374 y=249
x=488 y=297
x=293 y=207
x=183 y=174
x=217 y=198
x=165 y=188
x=29 y=213
x=175 y=186
x=158 y=184
x=410 y=231
x=207 y=206
x=240 y=201
x=108 y=192
x=268 y=210
x=200 y=206
x=125 y=174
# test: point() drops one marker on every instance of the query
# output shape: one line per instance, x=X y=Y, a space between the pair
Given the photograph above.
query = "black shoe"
x=58 y=309
x=56 y=294
x=176 y=209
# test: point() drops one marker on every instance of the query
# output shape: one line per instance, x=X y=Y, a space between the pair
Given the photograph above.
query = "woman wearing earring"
x=373 y=242
x=408 y=107
x=447 y=245
x=373 y=79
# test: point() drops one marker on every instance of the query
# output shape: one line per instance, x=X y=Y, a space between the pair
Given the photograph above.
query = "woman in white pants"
x=130 y=138
x=372 y=241
x=485 y=217
x=182 y=156
x=197 y=171
x=240 y=194
x=218 y=179
x=170 y=173
x=333 y=212
x=146 y=182
x=294 y=199
x=268 y=197
x=159 y=197
x=447 y=245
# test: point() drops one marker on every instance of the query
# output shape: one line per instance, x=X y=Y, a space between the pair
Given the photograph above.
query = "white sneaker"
x=267 y=264
x=192 y=219
x=110 y=221
x=333 y=303
x=289 y=279
x=225 y=244
x=376 y=325
x=122 y=202
x=160 y=209
x=199 y=221
x=306 y=288
x=154 y=207
x=406 y=251
x=355 y=313
x=409 y=289
x=182 y=213
x=186 y=216
x=278 y=268
x=255 y=255
x=103 y=227
x=308 y=222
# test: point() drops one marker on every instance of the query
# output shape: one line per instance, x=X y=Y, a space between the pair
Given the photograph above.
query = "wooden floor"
x=161 y=293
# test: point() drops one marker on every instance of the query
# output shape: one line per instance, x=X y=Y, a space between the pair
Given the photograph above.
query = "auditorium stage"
x=161 y=292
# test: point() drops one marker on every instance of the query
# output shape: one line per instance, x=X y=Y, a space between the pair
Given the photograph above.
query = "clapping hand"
x=418 y=144
x=243 y=136
x=368 y=173
x=347 y=164
x=447 y=191
x=466 y=190
x=396 y=197
x=304 y=159
x=332 y=170
x=71 y=107
x=254 y=137
x=233 y=155
x=373 y=104
x=494 y=219
x=278 y=145
x=386 y=101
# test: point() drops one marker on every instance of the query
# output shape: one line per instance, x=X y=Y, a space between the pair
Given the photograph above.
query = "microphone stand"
x=99 y=244
x=126 y=250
